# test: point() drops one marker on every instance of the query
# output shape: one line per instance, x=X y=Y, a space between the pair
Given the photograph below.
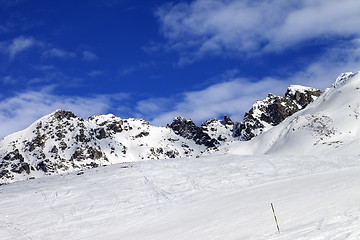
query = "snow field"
x=213 y=197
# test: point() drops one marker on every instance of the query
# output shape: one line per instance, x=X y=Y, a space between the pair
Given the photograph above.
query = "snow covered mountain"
x=271 y=111
x=263 y=115
x=328 y=126
x=62 y=142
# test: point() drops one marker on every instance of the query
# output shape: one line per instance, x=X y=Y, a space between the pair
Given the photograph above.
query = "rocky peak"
x=61 y=114
x=188 y=129
x=301 y=95
x=227 y=120
x=273 y=110
x=62 y=142
x=342 y=78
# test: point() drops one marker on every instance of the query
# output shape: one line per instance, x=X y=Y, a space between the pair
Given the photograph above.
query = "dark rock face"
x=263 y=115
x=60 y=115
x=15 y=161
x=211 y=133
x=15 y=155
x=228 y=121
x=303 y=98
x=188 y=130
x=218 y=130
x=273 y=110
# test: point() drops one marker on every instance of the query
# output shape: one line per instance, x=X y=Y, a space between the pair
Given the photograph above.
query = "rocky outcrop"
x=187 y=129
x=273 y=110
x=221 y=131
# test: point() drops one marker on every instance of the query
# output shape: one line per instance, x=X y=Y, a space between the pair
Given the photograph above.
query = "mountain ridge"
x=61 y=141
x=328 y=126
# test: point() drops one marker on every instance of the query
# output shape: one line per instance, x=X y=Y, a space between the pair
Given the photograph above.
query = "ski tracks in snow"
x=14 y=230
x=158 y=194
x=340 y=227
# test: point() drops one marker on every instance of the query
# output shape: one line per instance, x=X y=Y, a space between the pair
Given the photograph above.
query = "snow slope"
x=213 y=197
x=328 y=126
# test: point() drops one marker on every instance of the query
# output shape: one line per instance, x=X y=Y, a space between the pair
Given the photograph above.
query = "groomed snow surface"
x=220 y=196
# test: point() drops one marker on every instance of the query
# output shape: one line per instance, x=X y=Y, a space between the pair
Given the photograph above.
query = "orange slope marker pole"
x=277 y=225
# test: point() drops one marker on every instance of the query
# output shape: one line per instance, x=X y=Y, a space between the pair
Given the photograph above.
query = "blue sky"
x=159 y=59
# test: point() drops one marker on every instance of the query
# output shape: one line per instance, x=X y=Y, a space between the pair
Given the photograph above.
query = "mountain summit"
x=328 y=126
x=62 y=142
x=273 y=110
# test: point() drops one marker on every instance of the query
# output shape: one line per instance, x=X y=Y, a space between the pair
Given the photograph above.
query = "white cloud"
x=19 y=111
x=322 y=72
x=95 y=73
x=218 y=27
x=318 y=19
x=152 y=107
x=43 y=67
x=59 y=53
x=89 y=56
x=17 y=45
x=8 y=80
x=127 y=70
x=234 y=97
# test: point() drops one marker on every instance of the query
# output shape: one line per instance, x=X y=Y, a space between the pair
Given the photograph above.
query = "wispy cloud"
x=216 y=27
x=59 y=53
x=43 y=67
x=17 y=45
x=236 y=95
x=20 y=110
x=95 y=73
x=134 y=68
x=5 y=4
x=152 y=107
x=8 y=80
x=89 y=56
x=232 y=98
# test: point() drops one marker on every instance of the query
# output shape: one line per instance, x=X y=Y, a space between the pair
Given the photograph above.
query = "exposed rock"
x=218 y=130
x=21 y=168
x=100 y=133
x=60 y=115
x=54 y=150
x=41 y=166
x=273 y=110
x=302 y=96
x=15 y=155
x=228 y=121
x=188 y=130
x=142 y=134
x=94 y=153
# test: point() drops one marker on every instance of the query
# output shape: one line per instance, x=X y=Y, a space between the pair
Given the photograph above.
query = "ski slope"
x=220 y=196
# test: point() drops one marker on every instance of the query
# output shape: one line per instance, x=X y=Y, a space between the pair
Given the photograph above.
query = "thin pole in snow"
x=277 y=225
